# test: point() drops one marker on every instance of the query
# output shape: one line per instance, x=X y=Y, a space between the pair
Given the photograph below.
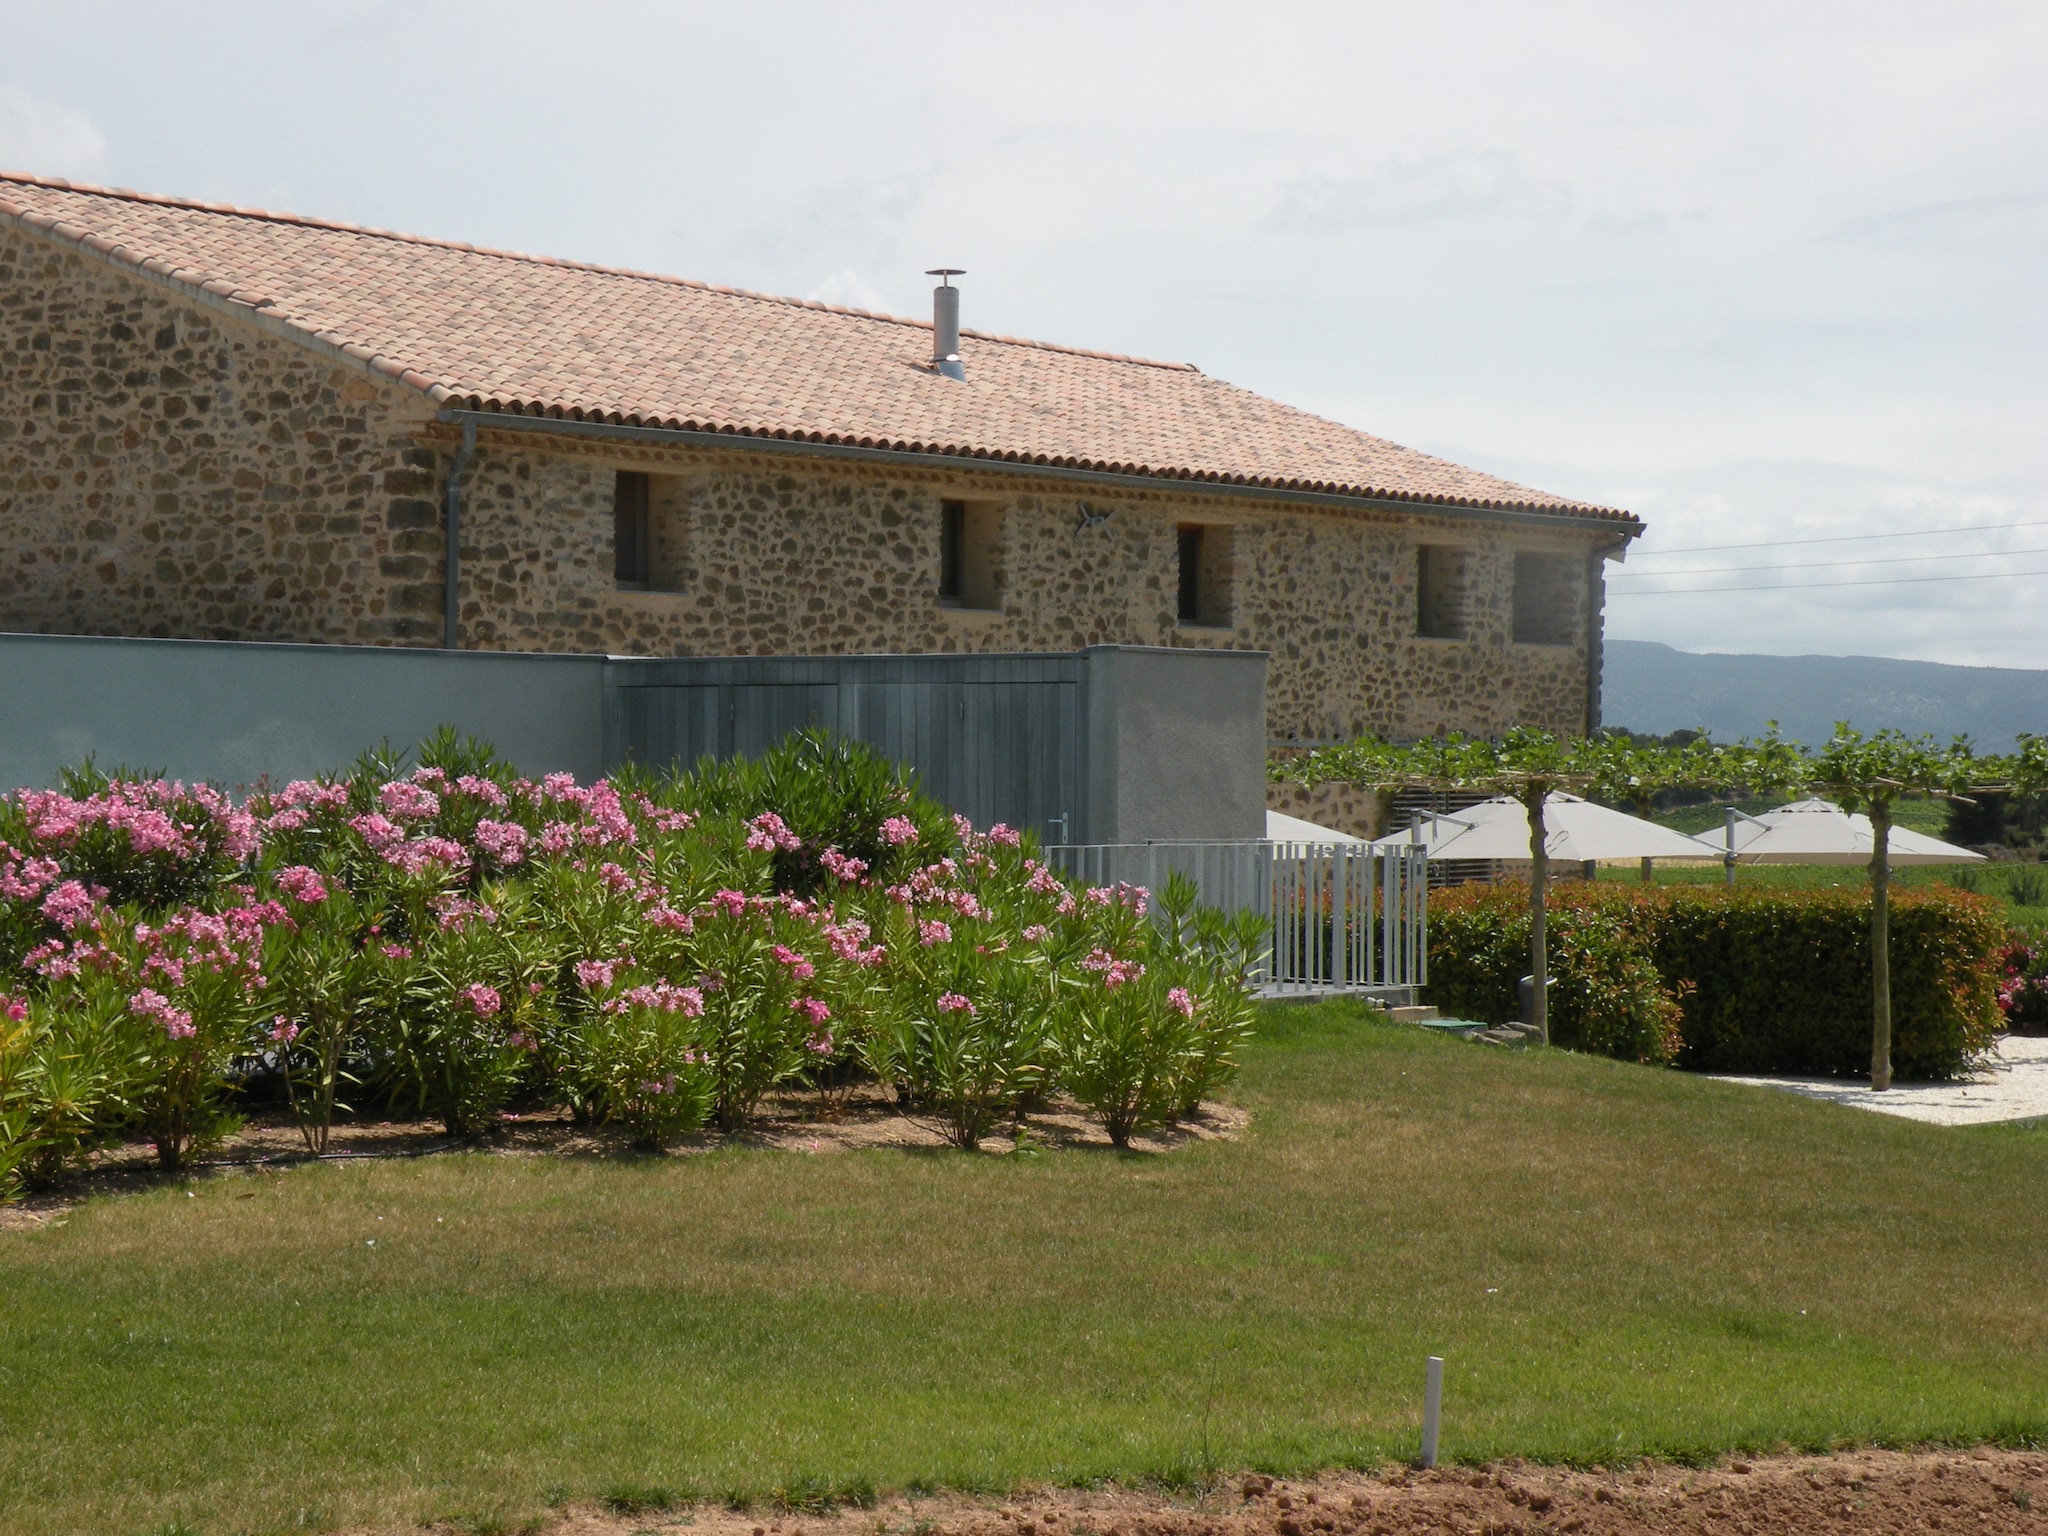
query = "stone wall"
x=801 y=557
x=171 y=469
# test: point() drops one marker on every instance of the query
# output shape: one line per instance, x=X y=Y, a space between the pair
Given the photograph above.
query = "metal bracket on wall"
x=1091 y=516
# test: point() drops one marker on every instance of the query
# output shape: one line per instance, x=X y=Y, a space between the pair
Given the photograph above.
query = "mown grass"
x=1613 y=1260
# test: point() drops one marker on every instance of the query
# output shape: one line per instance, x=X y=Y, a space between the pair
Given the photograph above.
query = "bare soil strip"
x=859 y=1118
x=1854 y=1491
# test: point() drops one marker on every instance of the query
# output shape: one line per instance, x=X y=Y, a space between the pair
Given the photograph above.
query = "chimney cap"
x=942 y=273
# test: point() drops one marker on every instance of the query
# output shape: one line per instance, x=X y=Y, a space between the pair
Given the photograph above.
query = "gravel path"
x=2013 y=1087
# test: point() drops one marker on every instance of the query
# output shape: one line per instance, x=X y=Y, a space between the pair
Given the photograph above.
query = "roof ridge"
x=375 y=232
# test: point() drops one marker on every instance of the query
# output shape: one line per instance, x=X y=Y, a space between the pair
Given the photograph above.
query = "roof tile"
x=502 y=331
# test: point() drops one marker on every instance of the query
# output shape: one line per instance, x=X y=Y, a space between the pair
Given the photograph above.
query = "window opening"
x=1546 y=599
x=952 y=532
x=629 y=528
x=1440 y=592
x=1190 y=573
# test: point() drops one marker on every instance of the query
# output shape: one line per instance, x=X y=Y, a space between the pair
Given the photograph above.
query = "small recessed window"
x=629 y=528
x=1440 y=592
x=1546 y=598
x=970 y=554
x=1203 y=551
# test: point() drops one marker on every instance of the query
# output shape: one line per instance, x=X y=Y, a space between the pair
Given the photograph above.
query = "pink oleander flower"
x=520 y=1040
x=663 y=1085
x=662 y=915
x=842 y=866
x=282 y=1030
x=151 y=1004
x=614 y=878
x=799 y=967
x=557 y=837
x=13 y=1009
x=1098 y=895
x=410 y=802
x=1005 y=837
x=71 y=905
x=562 y=786
x=1121 y=972
x=767 y=833
x=1043 y=882
x=483 y=1001
x=1181 y=1001
x=963 y=826
x=396 y=952
x=379 y=831
x=26 y=879
x=1037 y=933
x=731 y=903
x=933 y=932
x=592 y=975
x=953 y=1002
x=303 y=884
x=665 y=996
x=820 y=1043
x=812 y=1009
x=504 y=841
x=899 y=830
x=481 y=789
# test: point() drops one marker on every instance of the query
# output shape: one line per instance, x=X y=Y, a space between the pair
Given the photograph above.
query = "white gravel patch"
x=2012 y=1086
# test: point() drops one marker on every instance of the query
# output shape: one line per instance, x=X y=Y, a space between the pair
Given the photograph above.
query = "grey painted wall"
x=1177 y=744
x=233 y=711
x=1111 y=744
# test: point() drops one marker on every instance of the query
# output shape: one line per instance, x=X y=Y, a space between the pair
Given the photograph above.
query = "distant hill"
x=1654 y=688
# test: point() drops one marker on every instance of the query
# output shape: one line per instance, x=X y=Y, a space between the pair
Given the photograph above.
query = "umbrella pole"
x=1539 y=958
x=1880 y=944
x=1728 y=858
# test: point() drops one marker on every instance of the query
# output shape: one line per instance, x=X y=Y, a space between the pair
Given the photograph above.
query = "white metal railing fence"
x=1343 y=914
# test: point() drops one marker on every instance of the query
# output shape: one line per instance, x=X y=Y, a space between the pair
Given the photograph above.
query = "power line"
x=1838 y=538
x=1806 y=586
x=1817 y=565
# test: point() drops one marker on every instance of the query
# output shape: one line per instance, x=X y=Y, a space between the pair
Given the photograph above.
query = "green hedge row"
x=1744 y=980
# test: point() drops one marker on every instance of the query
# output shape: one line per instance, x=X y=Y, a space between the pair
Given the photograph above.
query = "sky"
x=1760 y=273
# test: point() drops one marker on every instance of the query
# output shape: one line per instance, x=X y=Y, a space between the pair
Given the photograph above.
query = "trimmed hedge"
x=1753 y=979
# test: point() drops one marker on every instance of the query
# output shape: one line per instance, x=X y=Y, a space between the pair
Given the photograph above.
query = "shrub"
x=2023 y=986
x=1766 y=980
x=648 y=950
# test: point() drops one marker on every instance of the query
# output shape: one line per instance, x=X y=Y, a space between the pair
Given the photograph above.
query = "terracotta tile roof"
x=496 y=330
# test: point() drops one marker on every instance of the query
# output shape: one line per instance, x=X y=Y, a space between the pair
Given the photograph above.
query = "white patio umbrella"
x=1821 y=832
x=1282 y=828
x=1575 y=830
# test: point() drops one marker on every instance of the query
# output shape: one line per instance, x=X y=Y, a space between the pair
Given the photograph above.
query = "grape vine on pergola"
x=1861 y=773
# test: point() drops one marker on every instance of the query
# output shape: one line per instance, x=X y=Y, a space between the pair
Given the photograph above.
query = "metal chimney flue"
x=946 y=322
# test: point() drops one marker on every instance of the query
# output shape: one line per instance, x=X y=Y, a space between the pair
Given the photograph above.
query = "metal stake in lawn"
x=1432 y=1408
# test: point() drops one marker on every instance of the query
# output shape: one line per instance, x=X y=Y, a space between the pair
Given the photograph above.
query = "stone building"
x=225 y=423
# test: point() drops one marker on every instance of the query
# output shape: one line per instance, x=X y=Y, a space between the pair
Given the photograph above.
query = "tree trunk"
x=1880 y=944
x=1539 y=955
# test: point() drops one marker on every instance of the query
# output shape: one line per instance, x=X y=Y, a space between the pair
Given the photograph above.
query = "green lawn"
x=1613 y=1260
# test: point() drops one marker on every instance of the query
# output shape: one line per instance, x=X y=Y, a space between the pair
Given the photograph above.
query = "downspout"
x=451 y=597
x=1596 y=607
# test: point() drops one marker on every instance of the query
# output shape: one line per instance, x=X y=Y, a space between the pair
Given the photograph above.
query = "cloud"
x=47 y=138
x=1428 y=190
x=849 y=288
x=849 y=225
x=1931 y=223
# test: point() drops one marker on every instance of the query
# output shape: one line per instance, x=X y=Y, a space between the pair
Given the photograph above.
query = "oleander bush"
x=661 y=952
x=1752 y=979
x=2023 y=985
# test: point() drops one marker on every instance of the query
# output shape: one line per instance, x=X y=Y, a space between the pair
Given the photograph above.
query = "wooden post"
x=1649 y=871
x=1880 y=944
